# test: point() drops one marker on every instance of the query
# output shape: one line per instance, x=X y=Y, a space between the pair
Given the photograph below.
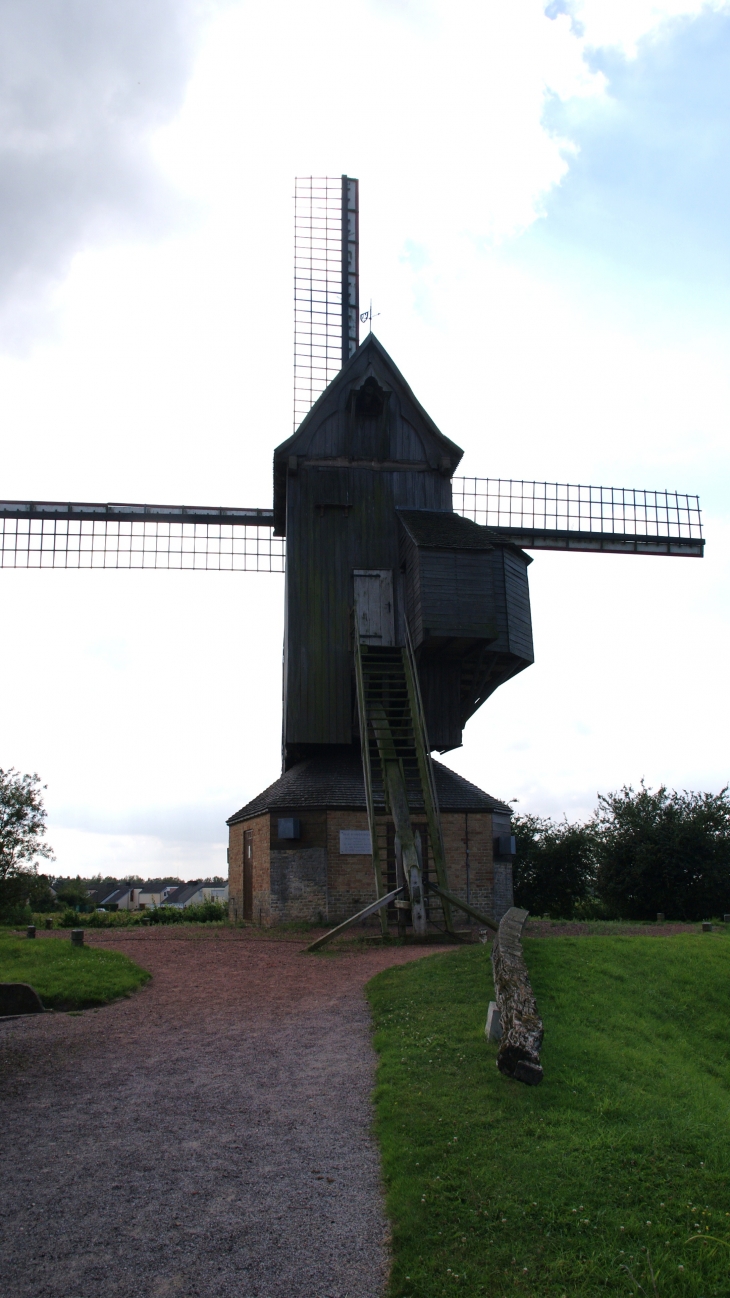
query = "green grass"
x=495 y=1188
x=68 y=977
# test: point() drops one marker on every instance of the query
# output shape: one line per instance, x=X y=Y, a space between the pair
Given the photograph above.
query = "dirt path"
x=210 y=1136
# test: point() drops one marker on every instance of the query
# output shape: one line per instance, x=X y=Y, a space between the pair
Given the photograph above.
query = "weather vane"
x=369 y=317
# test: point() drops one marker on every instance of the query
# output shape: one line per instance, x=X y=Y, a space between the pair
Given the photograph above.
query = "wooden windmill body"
x=407 y=605
x=382 y=578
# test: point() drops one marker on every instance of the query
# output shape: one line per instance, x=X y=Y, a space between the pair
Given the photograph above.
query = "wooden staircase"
x=398 y=772
x=399 y=775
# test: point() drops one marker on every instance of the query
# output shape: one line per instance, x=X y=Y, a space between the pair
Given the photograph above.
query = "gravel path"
x=209 y=1136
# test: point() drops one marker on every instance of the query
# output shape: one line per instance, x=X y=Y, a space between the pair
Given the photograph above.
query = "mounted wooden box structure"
x=468 y=607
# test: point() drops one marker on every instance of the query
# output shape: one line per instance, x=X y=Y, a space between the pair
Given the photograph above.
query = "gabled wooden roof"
x=370 y=360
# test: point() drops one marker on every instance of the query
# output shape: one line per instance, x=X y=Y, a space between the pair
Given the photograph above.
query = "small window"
x=290 y=827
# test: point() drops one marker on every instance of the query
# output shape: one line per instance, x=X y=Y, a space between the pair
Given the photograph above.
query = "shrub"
x=100 y=919
x=205 y=913
x=555 y=866
x=663 y=851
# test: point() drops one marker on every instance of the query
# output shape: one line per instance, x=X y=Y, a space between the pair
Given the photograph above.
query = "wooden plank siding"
x=366 y=451
x=338 y=520
x=517 y=599
x=456 y=594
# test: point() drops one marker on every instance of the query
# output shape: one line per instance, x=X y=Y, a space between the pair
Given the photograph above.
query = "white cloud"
x=622 y=24
x=82 y=87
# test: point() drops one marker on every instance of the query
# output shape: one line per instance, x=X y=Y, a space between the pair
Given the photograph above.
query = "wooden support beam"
x=361 y=914
x=425 y=767
x=400 y=811
x=462 y=905
x=367 y=777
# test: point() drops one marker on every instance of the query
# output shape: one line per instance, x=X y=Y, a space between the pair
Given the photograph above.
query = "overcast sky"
x=544 y=232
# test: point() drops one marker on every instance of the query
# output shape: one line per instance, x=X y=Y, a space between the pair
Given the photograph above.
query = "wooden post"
x=428 y=783
x=367 y=777
x=77 y=936
x=404 y=829
x=395 y=791
x=401 y=905
x=30 y=931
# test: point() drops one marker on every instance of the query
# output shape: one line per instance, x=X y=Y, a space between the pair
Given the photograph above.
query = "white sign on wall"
x=355 y=842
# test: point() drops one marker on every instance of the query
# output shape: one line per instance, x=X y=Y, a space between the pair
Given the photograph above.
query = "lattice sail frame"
x=535 y=515
x=113 y=542
x=326 y=283
x=572 y=507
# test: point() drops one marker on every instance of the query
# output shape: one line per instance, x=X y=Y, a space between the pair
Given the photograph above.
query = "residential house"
x=194 y=894
x=124 y=898
x=154 y=893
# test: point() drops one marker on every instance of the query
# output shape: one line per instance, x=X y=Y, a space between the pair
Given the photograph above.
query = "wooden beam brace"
x=361 y=914
x=462 y=905
x=367 y=776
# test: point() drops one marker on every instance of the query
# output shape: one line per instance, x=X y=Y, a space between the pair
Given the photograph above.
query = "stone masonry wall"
x=298 y=885
x=470 y=833
x=235 y=872
x=259 y=827
x=350 y=881
x=308 y=879
x=261 y=869
x=503 y=894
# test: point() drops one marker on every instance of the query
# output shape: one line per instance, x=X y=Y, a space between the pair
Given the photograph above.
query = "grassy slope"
x=65 y=976
x=496 y=1188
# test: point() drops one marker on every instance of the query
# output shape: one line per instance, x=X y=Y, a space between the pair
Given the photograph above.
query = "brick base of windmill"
x=300 y=850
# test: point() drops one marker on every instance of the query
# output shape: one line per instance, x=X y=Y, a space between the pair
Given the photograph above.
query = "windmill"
x=407 y=606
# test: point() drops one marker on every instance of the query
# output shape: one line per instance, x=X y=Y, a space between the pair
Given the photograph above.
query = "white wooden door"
x=374 y=605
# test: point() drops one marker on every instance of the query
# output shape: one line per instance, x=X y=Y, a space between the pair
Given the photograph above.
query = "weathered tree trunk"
x=522 y=1031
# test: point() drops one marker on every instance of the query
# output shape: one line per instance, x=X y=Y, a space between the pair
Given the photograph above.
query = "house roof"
x=183 y=893
x=117 y=894
x=335 y=779
x=98 y=890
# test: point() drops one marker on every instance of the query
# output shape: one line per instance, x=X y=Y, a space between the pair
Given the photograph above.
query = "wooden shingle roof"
x=335 y=780
x=439 y=529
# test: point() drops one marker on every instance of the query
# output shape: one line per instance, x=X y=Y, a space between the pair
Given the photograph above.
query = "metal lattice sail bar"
x=326 y=283
x=53 y=534
x=570 y=516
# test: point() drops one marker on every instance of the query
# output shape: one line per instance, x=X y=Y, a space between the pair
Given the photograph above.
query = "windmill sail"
x=533 y=515
x=326 y=283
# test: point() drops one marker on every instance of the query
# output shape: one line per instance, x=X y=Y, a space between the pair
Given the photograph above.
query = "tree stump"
x=522 y=1030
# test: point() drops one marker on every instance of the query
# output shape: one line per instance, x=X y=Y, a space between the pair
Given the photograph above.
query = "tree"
x=663 y=851
x=74 y=893
x=555 y=865
x=22 y=831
